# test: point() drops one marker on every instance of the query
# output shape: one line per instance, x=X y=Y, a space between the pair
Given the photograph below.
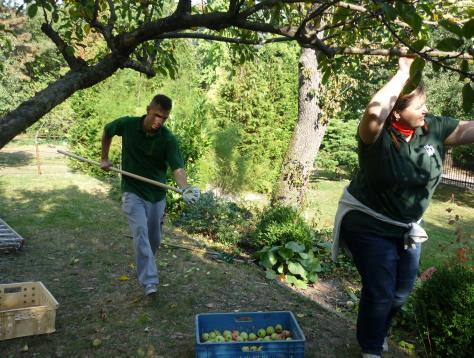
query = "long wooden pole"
x=123 y=172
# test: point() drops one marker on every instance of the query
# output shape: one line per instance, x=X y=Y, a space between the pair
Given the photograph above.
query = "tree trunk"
x=30 y=111
x=307 y=135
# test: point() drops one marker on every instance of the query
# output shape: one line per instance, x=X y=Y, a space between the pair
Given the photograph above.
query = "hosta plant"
x=293 y=263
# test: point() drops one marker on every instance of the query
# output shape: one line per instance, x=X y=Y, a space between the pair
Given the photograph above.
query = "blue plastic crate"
x=249 y=322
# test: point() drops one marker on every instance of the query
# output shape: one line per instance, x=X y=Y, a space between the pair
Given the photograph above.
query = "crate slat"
x=10 y=240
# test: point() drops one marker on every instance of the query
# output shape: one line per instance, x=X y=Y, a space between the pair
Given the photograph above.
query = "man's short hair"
x=163 y=101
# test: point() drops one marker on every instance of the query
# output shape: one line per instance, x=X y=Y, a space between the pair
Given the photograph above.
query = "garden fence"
x=454 y=175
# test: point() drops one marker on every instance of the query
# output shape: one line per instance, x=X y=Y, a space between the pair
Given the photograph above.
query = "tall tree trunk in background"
x=307 y=135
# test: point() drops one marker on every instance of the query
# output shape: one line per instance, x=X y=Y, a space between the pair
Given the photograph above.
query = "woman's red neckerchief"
x=405 y=130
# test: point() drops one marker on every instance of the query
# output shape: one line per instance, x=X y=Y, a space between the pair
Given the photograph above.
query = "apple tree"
x=96 y=38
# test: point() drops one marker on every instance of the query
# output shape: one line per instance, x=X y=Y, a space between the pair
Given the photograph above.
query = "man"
x=148 y=148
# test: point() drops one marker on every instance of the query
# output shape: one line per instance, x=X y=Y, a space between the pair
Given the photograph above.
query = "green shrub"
x=338 y=150
x=444 y=307
x=218 y=219
x=463 y=156
x=258 y=98
x=280 y=224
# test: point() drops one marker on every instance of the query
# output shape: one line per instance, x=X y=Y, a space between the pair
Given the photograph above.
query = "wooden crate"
x=26 y=309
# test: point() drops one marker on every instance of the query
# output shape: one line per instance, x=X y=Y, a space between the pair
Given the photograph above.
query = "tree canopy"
x=98 y=37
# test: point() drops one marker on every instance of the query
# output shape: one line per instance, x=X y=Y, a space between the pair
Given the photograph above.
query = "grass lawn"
x=76 y=246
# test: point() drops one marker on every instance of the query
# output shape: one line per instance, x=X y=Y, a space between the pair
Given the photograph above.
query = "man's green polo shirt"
x=145 y=155
x=398 y=183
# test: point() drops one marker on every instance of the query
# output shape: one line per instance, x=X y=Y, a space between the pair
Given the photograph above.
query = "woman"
x=379 y=214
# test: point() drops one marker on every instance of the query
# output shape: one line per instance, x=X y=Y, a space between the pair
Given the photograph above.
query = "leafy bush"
x=463 y=156
x=230 y=166
x=444 y=307
x=220 y=220
x=258 y=98
x=294 y=263
x=280 y=224
x=338 y=150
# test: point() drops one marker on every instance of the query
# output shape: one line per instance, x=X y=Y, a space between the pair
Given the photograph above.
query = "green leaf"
x=32 y=10
x=47 y=6
x=268 y=259
x=464 y=68
x=467 y=97
x=313 y=277
x=419 y=44
x=290 y=279
x=55 y=16
x=296 y=269
x=301 y=284
x=468 y=29
x=292 y=245
x=304 y=256
x=451 y=27
x=281 y=268
x=408 y=14
x=389 y=11
x=285 y=253
x=312 y=265
x=449 y=44
x=326 y=76
x=70 y=50
x=270 y=274
x=417 y=66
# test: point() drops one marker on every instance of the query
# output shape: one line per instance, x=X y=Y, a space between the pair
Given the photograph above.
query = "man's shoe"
x=368 y=355
x=150 y=290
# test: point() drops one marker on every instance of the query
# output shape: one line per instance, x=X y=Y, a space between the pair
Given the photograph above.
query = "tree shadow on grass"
x=15 y=159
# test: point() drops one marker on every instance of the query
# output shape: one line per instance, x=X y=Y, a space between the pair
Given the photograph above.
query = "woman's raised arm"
x=382 y=103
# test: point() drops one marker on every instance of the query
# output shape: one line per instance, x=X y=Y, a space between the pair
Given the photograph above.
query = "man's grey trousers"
x=146 y=223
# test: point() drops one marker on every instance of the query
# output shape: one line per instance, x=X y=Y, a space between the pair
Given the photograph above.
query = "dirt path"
x=82 y=259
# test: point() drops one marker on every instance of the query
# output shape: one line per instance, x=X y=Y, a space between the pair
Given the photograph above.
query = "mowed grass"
x=76 y=245
x=449 y=220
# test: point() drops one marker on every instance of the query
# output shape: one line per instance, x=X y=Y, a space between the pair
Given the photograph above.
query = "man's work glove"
x=191 y=194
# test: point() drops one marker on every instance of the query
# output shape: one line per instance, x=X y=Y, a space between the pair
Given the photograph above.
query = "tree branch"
x=183 y=8
x=112 y=17
x=142 y=67
x=202 y=36
x=363 y=9
x=423 y=54
x=263 y=4
x=317 y=11
x=288 y=31
x=307 y=36
x=75 y=63
x=399 y=52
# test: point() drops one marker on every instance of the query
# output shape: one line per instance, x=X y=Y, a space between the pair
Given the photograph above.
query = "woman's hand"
x=404 y=64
